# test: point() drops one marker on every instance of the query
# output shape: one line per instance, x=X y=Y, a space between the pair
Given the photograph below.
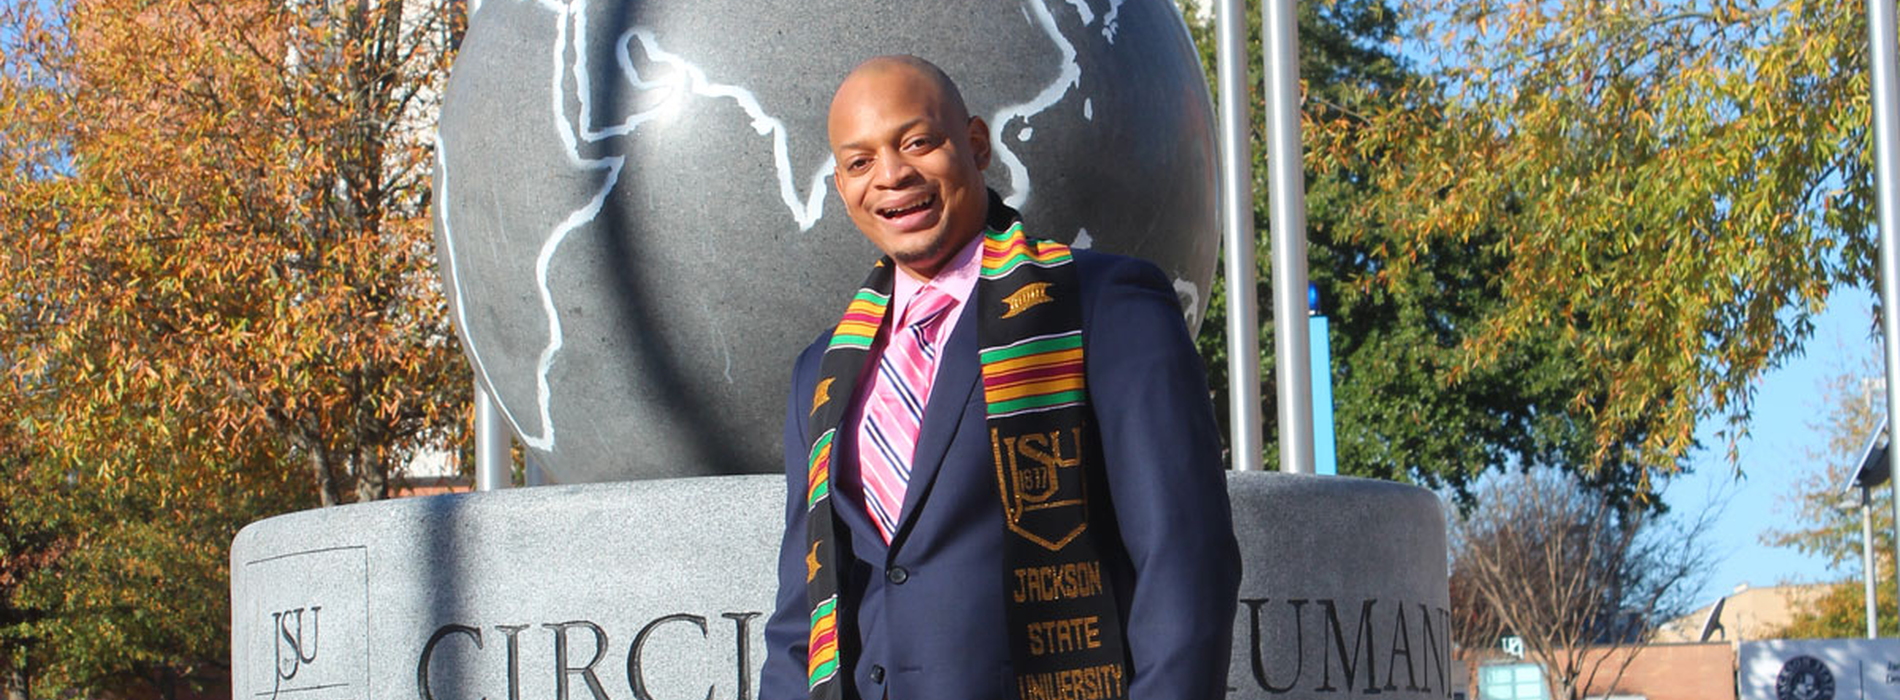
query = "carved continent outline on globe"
x=651 y=91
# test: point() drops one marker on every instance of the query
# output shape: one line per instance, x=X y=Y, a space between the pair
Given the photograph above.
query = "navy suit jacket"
x=925 y=614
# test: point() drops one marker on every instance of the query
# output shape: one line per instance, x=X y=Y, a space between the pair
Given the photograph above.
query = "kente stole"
x=1065 y=631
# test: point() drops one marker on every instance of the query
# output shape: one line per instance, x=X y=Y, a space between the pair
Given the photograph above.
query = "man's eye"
x=857 y=164
x=921 y=143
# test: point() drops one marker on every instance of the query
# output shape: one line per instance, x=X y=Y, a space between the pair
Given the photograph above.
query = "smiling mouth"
x=899 y=212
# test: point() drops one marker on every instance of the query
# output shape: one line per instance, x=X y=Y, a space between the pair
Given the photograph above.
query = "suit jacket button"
x=877 y=674
x=897 y=575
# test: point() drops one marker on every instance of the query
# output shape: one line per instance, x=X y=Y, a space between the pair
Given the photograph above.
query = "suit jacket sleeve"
x=1161 y=451
x=787 y=631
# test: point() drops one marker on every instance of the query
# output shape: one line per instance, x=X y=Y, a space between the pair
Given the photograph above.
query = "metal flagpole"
x=492 y=462
x=1236 y=192
x=1880 y=35
x=1292 y=365
x=1868 y=570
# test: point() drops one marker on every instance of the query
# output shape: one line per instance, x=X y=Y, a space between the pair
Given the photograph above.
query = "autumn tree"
x=1823 y=523
x=1581 y=576
x=1409 y=403
x=1568 y=233
x=1665 y=191
x=233 y=241
x=27 y=547
x=138 y=596
x=217 y=295
x=1840 y=612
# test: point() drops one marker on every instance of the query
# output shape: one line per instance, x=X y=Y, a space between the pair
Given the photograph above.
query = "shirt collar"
x=957 y=278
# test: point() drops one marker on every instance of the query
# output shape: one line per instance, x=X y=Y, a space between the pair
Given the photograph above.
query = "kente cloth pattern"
x=822 y=655
x=1064 y=628
x=1034 y=375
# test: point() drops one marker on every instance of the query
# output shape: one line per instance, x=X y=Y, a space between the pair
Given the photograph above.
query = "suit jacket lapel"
x=957 y=375
x=848 y=503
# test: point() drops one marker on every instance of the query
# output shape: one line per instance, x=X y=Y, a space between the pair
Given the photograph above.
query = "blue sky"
x=1774 y=457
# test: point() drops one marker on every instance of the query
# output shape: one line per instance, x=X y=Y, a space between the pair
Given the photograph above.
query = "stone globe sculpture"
x=636 y=225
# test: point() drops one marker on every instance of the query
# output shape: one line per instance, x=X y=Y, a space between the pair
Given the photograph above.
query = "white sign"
x=1820 y=669
x=1513 y=646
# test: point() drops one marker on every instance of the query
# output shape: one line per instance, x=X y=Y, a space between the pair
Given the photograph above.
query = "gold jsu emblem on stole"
x=1027 y=297
x=811 y=563
x=822 y=394
x=1045 y=499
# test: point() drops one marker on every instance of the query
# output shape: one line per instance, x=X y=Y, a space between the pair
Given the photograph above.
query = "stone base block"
x=658 y=590
x=1343 y=589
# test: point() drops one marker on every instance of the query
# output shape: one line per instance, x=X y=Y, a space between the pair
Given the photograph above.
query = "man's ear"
x=980 y=142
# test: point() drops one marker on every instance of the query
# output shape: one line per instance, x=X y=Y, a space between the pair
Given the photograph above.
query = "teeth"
x=906 y=210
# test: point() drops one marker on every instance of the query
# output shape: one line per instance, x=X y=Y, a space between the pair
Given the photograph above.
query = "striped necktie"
x=894 y=408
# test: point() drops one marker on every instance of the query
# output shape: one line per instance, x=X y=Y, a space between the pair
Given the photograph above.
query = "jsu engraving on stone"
x=308 y=639
x=292 y=650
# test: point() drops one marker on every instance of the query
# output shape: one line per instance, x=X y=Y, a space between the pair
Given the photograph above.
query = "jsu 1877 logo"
x=1044 y=495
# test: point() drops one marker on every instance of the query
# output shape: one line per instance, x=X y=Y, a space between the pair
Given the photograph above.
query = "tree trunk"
x=326 y=479
x=372 y=480
x=15 y=684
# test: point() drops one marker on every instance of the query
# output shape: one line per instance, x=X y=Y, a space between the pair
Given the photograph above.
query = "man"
x=1045 y=518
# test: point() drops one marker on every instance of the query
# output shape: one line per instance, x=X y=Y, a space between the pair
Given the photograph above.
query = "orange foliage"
x=217 y=299
x=218 y=239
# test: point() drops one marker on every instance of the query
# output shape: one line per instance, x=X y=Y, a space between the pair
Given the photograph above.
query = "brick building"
x=1675 y=665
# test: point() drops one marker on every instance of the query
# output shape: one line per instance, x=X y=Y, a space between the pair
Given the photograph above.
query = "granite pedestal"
x=1344 y=589
x=658 y=590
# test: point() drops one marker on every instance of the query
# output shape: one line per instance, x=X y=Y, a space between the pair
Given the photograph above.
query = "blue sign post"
x=1319 y=347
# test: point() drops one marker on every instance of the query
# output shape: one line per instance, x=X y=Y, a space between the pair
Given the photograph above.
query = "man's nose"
x=894 y=171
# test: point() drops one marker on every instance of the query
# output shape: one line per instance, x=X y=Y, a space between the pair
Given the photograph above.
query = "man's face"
x=910 y=166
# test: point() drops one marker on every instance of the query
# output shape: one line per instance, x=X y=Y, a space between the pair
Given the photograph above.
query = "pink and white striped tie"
x=894 y=408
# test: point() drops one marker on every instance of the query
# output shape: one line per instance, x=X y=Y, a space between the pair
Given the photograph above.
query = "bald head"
x=910 y=160
x=910 y=67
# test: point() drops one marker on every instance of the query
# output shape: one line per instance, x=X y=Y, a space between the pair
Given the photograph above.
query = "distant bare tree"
x=1581 y=576
x=1474 y=625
